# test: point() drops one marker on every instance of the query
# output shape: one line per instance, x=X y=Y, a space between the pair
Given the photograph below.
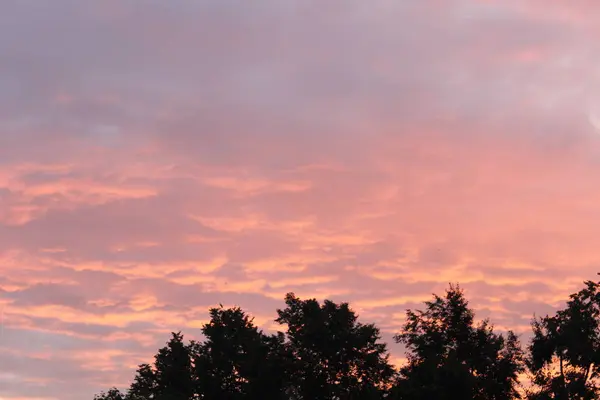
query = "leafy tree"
x=173 y=370
x=112 y=394
x=564 y=353
x=237 y=361
x=336 y=357
x=450 y=357
x=144 y=384
x=170 y=378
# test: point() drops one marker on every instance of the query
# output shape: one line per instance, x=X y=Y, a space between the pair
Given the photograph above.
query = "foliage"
x=451 y=357
x=325 y=353
x=170 y=378
x=237 y=361
x=112 y=394
x=564 y=354
x=336 y=356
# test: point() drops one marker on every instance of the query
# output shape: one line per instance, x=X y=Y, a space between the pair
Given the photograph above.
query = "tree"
x=143 y=386
x=237 y=361
x=450 y=357
x=170 y=378
x=335 y=356
x=564 y=353
x=112 y=394
x=173 y=370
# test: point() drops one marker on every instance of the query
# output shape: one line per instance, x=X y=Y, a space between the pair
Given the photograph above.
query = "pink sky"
x=157 y=158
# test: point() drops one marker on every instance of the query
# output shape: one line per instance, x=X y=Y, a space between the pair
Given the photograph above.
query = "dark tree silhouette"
x=171 y=376
x=336 y=357
x=327 y=354
x=450 y=357
x=144 y=384
x=173 y=370
x=564 y=353
x=237 y=361
x=112 y=394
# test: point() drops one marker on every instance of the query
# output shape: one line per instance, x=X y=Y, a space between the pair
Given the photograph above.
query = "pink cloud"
x=156 y=161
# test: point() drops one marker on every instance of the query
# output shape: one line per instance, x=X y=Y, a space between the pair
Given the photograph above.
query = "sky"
x=158 y=158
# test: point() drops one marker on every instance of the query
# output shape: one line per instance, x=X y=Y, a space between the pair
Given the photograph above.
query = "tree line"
x=326 y=353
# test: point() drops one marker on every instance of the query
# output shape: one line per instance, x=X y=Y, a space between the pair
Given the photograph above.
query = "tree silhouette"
x=112 y=394
x=450 y=357
x=237 y=361
x=173 y=370
x=171 y=376
x=144 y=384
x=564 y=353
x=335 y=356
x=327 y=354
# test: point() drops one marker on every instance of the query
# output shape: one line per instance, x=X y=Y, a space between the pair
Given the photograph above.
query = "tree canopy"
x=564 y=354
x=336 y=357
x=451 y=357
x=324 y=352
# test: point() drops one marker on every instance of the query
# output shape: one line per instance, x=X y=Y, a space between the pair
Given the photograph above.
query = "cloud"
x=158 y=160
